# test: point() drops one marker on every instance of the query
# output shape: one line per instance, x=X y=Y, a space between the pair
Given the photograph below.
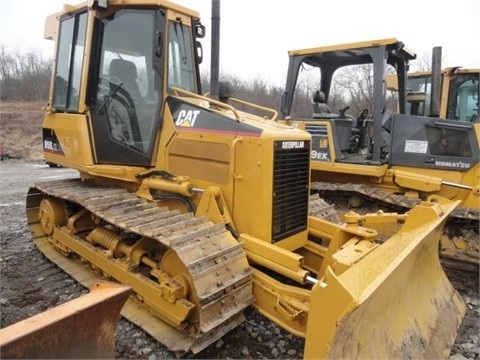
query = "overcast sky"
x=257 y=34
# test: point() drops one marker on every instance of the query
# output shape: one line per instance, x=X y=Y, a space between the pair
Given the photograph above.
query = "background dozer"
x=204 y=210
x=450 y=94
x=459 y=91
x=391 y=158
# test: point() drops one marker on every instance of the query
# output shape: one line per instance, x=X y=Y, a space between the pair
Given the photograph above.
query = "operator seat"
x=319 y=103
x=126 y=72
x=122 y=112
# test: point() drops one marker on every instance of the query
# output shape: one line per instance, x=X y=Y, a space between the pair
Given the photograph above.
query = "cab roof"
x=351 y=53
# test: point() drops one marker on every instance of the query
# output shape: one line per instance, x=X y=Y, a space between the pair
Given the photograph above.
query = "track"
x=459 y=246
x=191 y=249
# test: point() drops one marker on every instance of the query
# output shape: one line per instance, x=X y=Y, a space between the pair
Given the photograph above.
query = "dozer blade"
x=81 y=328
x=395 y=303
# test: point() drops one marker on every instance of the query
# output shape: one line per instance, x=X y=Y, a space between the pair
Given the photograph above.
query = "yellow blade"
x=395 y=303
x=81 y=328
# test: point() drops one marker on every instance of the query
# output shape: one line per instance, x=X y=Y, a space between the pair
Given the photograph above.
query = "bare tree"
x=355 y=85
x=423 y=63
x=24 y=75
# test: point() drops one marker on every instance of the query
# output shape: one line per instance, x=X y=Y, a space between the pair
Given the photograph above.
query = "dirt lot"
x=31 y=284
x=21 y=129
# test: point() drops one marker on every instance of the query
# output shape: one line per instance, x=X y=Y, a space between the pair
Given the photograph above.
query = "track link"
x=213 y=262
x=320 y=209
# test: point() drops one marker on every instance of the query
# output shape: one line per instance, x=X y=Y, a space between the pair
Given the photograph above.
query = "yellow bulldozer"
x=204 y=210
x=459 y=91
x=391 y=158
x=451 y=93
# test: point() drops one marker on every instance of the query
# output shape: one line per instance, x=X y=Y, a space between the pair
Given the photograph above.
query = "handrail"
x=232 y=158
x=255 y=106
x=258 y=107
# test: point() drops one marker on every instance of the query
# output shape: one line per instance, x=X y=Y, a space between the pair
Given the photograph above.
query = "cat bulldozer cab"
x=393 y=158
x=204 y=210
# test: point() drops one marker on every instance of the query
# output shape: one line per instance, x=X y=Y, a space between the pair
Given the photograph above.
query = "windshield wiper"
x=184 y=55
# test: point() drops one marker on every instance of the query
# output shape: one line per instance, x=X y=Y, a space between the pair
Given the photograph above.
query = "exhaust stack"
x=436 y=81
x=215 y=51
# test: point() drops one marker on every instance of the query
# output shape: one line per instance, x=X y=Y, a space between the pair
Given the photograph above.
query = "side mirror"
x=200 y=31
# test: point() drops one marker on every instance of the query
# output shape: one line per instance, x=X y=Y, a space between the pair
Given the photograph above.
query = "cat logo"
x=187 y=118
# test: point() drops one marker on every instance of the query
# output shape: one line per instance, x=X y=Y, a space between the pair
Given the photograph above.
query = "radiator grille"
x=290 y=188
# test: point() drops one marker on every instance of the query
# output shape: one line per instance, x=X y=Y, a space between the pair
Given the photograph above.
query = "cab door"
x=125 y=86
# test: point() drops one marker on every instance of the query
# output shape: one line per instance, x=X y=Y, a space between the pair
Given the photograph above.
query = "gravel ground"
x=30 y=284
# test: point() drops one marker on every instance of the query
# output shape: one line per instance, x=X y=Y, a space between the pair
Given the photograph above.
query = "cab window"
x=463 y=101
x=69 y=64
x=181 y=73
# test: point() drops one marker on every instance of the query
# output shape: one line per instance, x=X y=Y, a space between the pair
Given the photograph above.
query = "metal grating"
x=290 y=188
x=316 y=129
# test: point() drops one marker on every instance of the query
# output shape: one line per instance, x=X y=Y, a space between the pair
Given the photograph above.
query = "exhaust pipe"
x=436 y=81
x=215 y=51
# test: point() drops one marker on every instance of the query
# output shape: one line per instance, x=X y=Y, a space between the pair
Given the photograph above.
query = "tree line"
x=25 y=76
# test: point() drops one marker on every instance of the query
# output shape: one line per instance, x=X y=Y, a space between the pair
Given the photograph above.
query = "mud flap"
x=81 y=328
x=394 y=303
